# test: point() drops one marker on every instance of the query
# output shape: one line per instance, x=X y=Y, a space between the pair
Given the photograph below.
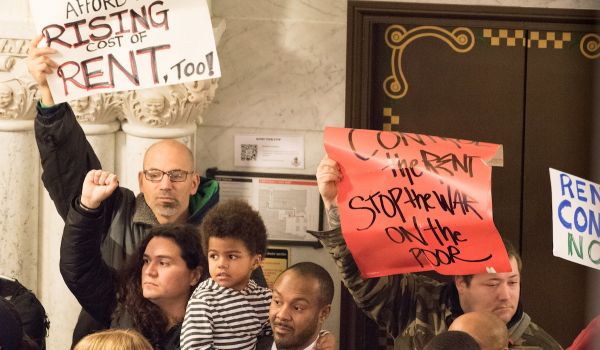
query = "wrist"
x=329 y=203
x=333 y=216
x=47 y=99
x=87 y=205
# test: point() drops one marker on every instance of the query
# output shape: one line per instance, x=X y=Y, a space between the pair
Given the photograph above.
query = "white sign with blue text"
x=575 y=218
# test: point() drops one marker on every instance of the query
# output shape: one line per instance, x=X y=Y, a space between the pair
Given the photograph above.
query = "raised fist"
x=97 y=186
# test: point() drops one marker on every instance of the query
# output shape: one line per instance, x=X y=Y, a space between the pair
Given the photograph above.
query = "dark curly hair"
x=235 y=219
x=147 y=317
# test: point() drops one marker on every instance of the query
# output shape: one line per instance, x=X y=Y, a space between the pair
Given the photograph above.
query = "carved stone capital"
x=17 y=100
x=98 y=109
x=156 y=107
x=6 y=63
x=14 y=47
x=201 y=92
x=171 y=106
x=18 y=91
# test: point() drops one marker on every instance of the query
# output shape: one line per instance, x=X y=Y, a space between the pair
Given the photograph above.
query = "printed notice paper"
x=276 y=261
x=413 y=202
x=269 y=151
x=116 y=45
x=575 y=219
x=288 y=206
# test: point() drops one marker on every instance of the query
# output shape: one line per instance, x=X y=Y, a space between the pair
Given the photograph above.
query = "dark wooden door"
x=448 y=93
x=517 y=77
x=559 y=117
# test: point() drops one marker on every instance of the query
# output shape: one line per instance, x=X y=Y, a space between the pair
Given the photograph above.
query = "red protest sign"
x=413 y=202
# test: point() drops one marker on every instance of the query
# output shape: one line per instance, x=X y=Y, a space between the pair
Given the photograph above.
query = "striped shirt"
x=223 y=318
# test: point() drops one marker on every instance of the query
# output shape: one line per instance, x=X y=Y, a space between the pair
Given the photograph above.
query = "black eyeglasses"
x=156 y=175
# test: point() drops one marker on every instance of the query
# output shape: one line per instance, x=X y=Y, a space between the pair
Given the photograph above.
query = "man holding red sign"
x=414 y=308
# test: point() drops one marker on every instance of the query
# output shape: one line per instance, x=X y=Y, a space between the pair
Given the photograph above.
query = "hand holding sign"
x=413 y=202
x=40 y=65
x=328 y=177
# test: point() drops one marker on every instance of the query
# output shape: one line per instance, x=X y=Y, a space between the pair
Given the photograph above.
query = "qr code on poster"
x=249 y=152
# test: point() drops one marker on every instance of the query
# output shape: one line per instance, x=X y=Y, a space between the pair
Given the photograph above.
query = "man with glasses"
x=171 y=192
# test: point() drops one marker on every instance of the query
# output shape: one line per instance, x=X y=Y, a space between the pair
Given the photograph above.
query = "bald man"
x=171 y=191
x=489 y=330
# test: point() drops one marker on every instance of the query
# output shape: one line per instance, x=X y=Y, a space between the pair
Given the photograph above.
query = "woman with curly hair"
x=151 y=294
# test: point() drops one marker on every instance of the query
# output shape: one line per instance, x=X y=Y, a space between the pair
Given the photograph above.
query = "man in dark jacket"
x=302 y=296
x=414 y=308
x=171 y=191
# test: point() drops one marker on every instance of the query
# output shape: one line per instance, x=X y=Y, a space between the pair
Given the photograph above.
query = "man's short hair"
x=235 y=218
x=310 y=269
x=485 y=327
x=172 y=143
x=452 y=340
x=512 y=253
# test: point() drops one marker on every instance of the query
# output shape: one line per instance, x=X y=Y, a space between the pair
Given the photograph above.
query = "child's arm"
x=197 y=328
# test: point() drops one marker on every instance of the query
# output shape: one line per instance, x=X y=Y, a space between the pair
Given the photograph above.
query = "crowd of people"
x=174 y=268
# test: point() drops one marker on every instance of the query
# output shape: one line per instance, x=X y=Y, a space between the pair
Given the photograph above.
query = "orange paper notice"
x=413 y=202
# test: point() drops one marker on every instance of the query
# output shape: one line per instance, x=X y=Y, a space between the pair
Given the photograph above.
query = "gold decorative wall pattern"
x=589 y=45
x=460 y=40
x=548 y=40
x=520 y=37
x=505 y=37
x=391 y=122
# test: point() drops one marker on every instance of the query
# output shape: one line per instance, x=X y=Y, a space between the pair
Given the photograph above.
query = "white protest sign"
x=116 y=45
x=575 y=219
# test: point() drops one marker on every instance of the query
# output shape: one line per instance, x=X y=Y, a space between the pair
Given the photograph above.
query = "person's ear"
x=324 y=313
x=460 y=283
x=141 y=180
x=257 y=261
x=195 y=183
x=196 y=275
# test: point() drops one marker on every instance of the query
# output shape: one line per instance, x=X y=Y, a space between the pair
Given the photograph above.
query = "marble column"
x=99 y=117
x=19 y=176
x=19 y=172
